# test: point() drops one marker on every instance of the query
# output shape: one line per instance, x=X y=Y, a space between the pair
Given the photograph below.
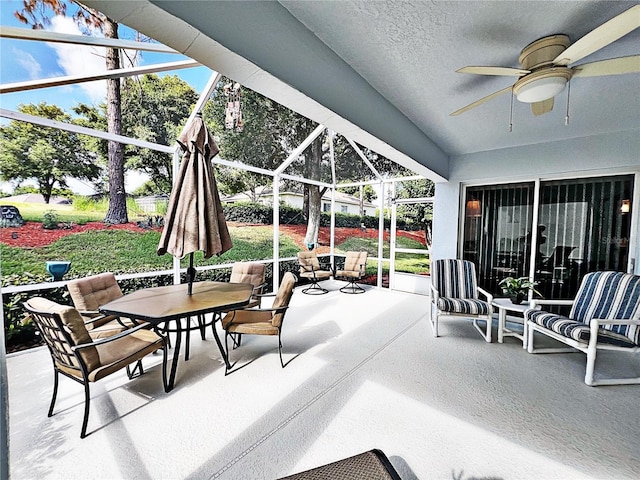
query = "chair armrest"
x=262 y=295
x=94 y=319
x=259 y=288
x=604 y=321
x=534 y=303
x=435 y=294
x=488 y=296
x=113 y=338
x=277 y=309
x=89 y=312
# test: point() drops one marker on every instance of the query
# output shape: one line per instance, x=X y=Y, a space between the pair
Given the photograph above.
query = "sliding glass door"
x=582 y=225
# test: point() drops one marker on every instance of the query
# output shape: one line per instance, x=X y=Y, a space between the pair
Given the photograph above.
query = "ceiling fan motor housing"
x=543 y=51
x=546 y=80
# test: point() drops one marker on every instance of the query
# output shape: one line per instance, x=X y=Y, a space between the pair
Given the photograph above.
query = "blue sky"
x=23 y=60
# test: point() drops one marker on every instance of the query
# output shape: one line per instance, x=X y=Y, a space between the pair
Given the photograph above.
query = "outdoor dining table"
x=158 y=305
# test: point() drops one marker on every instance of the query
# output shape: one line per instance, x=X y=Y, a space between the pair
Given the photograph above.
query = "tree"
x=155 y=109
x=420 y=212
x=35 y=13
x=47 y=155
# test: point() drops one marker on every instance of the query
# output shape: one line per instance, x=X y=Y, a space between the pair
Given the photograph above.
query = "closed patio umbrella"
x=194 y=219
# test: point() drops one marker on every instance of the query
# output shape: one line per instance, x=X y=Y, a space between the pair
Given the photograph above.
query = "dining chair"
x=88 y=295
x=454 y=292
x=260 y=321
x=78 y=356
x=311 y=270
x=354 y=269
x=253 y=273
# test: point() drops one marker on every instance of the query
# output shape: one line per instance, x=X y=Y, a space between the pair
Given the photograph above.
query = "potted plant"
x=517 y=289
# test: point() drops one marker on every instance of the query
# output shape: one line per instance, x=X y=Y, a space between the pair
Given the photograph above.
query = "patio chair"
x=88 y=295
x=371 y=465
x=260 y=321
x=605 y=315
x=81 y=358
x=454 y=292
x=253 y=273
x=311 y=270
x=355 y=267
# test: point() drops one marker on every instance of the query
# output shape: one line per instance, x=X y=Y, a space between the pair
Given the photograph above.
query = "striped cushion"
x=466 y=306
x=576 y=330
x=454 y=278
x=609 y=295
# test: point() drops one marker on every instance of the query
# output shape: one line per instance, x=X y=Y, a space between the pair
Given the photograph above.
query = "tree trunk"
x=361 y=201
x=117 y=212
x=314 y=194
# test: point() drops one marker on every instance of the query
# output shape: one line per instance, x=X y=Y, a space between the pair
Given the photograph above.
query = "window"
x=326 y=207
x=343 y=208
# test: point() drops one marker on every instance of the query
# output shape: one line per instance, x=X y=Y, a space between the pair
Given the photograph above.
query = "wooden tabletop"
x=159 y=304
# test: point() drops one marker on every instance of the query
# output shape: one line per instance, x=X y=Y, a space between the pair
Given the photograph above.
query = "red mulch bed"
x=33 y=235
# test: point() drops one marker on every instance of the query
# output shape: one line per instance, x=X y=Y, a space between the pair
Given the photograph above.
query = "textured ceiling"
x=409 y=51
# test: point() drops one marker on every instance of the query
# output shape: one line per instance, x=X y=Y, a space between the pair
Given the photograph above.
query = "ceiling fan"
x=545 y=71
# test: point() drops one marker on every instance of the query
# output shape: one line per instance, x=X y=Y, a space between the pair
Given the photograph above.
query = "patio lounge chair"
x=253 y=273
x=311 y=270
x=371 y=465
x=355 y=268
x=605 y=315
x=79 y=357
x=260 y=321
x=89 y=294
x=454 y=292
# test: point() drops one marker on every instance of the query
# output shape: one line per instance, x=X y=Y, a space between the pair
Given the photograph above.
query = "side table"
x=505 y=305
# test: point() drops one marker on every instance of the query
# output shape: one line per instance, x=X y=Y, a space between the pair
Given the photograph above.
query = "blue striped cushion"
x=454 y=278
x=576 y=330
x=611 y=296
x=466 y=306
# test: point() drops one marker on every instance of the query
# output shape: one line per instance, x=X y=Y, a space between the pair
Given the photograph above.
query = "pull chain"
x=511 y=113
x=566 y=118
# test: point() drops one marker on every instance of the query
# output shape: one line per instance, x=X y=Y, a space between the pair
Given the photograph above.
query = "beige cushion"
x=354 y=260
x=90 y=293
x=73 y=324
x=248 y=272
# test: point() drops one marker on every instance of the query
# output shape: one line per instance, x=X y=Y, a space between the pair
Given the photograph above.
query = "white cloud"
x=79 y=59
x=26 y=61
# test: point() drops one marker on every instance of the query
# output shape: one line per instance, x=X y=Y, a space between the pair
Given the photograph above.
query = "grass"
x=127 y=252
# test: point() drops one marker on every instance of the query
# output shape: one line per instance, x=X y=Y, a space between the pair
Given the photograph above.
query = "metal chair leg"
x=280 y=349
x=55 y=392
x=87 y=400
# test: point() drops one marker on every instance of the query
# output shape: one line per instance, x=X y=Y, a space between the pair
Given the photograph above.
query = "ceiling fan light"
x=541 y=89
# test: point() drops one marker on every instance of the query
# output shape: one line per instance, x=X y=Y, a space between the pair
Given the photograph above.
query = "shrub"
x=50 y=220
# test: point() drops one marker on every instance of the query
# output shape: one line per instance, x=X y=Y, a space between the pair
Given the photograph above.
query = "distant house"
x=344 y=203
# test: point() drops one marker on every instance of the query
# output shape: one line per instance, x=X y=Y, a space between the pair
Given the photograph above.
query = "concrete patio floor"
x=364 y=372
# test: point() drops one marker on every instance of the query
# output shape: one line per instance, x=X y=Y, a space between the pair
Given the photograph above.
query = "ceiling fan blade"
x=481 y=101
x=517 y=72
x=601 y=36
x=612 y=66
x=540 y=108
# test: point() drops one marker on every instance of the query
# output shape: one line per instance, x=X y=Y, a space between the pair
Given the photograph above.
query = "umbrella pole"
x=191 y=275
